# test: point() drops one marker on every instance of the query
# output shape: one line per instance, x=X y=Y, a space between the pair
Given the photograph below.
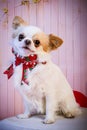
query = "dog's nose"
x=27 y=42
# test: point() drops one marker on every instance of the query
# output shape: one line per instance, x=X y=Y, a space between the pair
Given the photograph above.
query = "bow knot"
x=28 y=62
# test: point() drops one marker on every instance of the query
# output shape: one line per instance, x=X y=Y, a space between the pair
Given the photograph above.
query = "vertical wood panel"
x=47 y=16
x=3 y=96
x=18 y=8
x=76 y=43
x=69 y=42
x=32 y=10
x=3 y=49
x=25 y=13
x=39 y=14
x=62 y=33
x=54 y=21
x=10 y=96
x=65 y=18
x=83 y=47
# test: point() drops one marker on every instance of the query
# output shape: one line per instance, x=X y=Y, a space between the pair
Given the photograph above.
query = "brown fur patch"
x=17 y=21
x=44 y=40
x=48 y=42
x=54 y=42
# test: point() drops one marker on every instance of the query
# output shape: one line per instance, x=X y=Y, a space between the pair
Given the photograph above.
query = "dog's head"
x=30 y=39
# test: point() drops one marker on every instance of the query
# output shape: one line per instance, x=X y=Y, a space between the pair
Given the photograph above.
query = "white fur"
x=48 y=91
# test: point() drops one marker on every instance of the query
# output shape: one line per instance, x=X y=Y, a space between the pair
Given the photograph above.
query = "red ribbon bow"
x=28 y=63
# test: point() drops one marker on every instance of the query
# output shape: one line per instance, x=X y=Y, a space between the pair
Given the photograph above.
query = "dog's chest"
x=34 y=79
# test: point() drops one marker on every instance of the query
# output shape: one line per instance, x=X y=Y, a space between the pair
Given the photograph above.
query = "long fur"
x=48 y=91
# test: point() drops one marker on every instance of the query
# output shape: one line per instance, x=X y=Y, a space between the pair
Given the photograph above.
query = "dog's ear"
x=18 y=21
x=54 y=42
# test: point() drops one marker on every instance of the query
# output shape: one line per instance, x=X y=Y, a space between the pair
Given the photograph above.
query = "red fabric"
x=28 y=63
x=9 y=71
x=80 y=98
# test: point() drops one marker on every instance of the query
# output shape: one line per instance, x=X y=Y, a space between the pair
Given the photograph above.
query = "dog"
x=41 y=83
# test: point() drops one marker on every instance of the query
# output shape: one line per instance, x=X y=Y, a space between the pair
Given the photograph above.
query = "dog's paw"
x=22 y=116
x=48 y=121
x=69 y=115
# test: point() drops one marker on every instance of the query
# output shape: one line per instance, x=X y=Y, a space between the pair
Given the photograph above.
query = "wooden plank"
x=32 y=16
x=54 y=25
x=10 y=97
x=69 y=41
x=76 y=43
x=47 y=17
x=3 y=95
x=54 y=16
x=17 y=8
x=83 y=48
x=25 y=12
x=3 y=35
x=62 y=33
x=39 y=14
x=3 y=64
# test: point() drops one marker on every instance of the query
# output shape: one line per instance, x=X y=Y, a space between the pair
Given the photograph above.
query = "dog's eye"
x=36 y=43
x=21 y=37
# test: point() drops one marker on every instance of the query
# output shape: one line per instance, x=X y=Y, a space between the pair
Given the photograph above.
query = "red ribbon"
x=9 y=71
x=28 y=63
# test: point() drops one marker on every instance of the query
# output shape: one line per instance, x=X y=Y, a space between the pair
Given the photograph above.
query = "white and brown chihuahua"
x=41 y=83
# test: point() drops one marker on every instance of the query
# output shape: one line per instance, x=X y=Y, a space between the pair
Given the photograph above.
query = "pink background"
x=65 y=18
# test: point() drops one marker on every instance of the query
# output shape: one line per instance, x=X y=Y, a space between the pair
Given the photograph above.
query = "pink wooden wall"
x=65 y=18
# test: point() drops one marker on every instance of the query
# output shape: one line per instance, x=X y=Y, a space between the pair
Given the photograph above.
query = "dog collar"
x=28 y=62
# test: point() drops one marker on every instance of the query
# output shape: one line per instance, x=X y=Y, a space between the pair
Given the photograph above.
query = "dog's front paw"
x=22 y=116
x=48 y=121
x=69 y=115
